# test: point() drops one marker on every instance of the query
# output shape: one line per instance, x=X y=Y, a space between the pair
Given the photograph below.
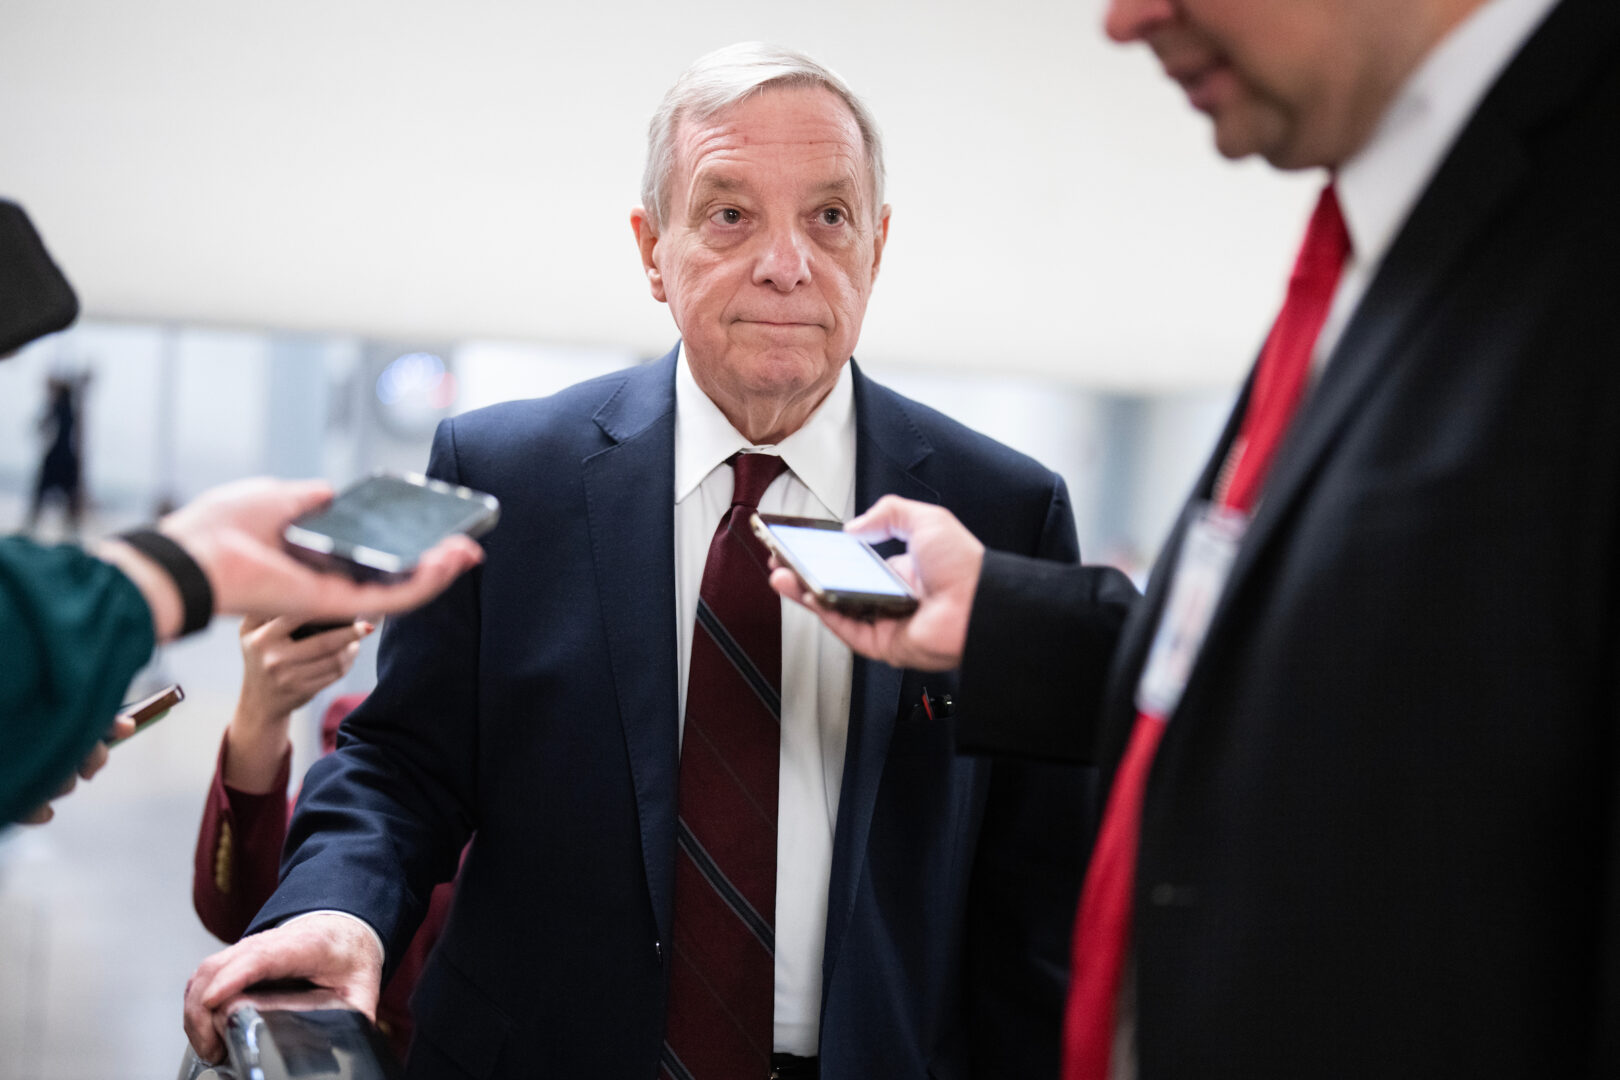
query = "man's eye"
x=832 y=216
x=728 y=216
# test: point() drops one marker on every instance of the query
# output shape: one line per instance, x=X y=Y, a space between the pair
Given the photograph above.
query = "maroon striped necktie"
x=1102 y=931
x=723 y=983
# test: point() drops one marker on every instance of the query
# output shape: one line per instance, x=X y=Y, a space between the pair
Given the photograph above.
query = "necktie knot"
x=752 y=474
x=1284 y=369
x=1326 y=245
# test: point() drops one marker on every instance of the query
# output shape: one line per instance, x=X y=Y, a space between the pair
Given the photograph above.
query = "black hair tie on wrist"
x=196 y=595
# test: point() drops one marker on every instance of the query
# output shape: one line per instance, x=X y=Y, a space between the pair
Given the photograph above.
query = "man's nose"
x=1132 y=20
x=785 y=261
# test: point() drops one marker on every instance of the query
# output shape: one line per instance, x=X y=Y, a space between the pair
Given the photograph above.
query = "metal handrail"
x=272 y=1033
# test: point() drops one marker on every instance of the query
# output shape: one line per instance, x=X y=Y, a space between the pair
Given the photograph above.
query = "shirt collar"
x=1378 y=187
x=821 y=453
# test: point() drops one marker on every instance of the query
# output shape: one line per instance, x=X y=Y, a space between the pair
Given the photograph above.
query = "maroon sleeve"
x=333 y=718
x=238 y=851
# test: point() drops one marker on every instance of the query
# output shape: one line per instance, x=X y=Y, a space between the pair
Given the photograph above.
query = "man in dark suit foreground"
x=921 y=901
x=1380 y=835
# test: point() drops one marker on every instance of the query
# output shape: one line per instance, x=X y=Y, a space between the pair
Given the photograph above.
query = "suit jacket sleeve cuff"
x=382 y=953
x=1041 y=637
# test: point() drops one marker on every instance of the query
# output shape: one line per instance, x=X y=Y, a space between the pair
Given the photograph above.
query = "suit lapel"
x=629 y=495
x=888 y=447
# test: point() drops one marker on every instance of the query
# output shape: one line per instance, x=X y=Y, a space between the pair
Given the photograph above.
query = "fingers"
x=334 y=951
x=890 y=518
x=304 y=496
x=787 y=584
x=38 y=816
x=95 y=759
x=226 y=974
x=303 y=680
x=320 y=646
x=441 y=565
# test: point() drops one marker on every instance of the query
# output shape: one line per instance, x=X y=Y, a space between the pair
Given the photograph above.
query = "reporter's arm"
x=1035 y=663
x=75 y=631
x=244 y=822
x=238 y=850
x=1034 y=638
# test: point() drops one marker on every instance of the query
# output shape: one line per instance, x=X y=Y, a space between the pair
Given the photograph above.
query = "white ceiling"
x=416 y=168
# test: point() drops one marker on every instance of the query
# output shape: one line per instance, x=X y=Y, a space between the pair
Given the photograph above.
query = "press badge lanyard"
x=1210 y=545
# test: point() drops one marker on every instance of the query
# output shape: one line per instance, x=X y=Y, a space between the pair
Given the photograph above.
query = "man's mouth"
x=1199 y=79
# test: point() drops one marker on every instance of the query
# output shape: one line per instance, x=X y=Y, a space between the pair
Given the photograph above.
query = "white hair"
x=724 y=78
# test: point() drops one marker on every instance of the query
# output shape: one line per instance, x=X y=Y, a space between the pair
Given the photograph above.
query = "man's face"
x=767 y=253
x=1300 y=82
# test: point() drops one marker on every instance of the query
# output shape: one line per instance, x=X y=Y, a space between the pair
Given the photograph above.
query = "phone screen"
x=838 y=561
x=392 y=515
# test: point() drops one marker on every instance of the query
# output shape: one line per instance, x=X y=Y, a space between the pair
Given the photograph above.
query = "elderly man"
x=665 y=880
x=1360 y=738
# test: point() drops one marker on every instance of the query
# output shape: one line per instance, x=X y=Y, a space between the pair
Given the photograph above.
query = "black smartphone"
x=149 y=710
x=310 y=629
x=377 y=529
x=841 y=571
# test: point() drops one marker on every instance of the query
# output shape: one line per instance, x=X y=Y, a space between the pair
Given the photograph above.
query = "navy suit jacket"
x=1381 y=835
x=535 y=703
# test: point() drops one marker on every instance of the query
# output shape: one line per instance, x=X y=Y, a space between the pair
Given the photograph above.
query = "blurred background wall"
x=304 y=232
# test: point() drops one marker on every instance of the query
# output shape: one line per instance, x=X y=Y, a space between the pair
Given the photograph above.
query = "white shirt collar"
x=820 y=453
x=1378 y=187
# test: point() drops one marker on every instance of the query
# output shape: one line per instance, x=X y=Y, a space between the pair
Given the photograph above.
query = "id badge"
x=1207 y=552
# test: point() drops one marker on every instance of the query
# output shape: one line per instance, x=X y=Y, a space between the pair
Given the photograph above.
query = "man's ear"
x=647 y=241
x=880 y=239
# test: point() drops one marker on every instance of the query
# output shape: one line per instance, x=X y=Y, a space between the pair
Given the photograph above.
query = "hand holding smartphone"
x=838 y=568
x=379 y=528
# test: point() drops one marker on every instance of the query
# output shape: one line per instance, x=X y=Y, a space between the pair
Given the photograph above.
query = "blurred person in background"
x=244 y=821
x=77 y=624
x=61 y=470
x=1364 y=807
x=710 y=843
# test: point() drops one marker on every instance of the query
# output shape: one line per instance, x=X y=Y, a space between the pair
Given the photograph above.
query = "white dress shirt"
x=816 y=667
x=1380 y=185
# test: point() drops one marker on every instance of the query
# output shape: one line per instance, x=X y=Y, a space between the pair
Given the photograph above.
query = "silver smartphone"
x=841 y=570
x=378 y=529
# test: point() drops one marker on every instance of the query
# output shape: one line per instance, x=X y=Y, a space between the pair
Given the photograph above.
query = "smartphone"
x=841 y=571
x=150 y=710
x=377 y=529
x=310 y=629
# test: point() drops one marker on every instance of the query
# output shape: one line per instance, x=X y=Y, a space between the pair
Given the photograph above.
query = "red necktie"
x=723 y=980
x=1103 y=927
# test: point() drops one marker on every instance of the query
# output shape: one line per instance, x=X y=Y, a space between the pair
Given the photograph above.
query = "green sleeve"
x=73 y=632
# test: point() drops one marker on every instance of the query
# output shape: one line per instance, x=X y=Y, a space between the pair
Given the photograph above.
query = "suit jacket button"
x=658 y=952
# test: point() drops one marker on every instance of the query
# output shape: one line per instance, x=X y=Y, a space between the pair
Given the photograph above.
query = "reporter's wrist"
x=157 y=588
x=255 y=751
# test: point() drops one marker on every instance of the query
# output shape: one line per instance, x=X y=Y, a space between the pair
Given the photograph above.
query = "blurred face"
x=1300 y=82
x=767 y=253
